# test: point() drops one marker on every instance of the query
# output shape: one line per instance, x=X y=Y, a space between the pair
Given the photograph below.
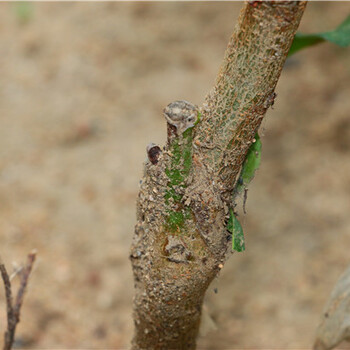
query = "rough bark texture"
x=181 y=240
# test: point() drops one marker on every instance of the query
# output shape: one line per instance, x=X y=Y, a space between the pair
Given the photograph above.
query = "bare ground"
x=82 y=87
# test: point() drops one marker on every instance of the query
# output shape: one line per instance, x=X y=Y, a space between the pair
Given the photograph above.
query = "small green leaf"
x=339 y=36
x=235 y=228
x=250 y=165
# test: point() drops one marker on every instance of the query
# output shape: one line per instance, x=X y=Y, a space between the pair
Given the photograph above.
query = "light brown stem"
x=180 y=239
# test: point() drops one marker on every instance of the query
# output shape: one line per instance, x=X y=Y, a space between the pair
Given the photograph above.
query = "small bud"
x=181 y=114
x=153 y=153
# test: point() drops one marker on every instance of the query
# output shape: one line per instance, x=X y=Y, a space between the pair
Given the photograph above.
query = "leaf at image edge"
x=339 y=36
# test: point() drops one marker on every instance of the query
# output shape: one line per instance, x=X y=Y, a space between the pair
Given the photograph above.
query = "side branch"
x=13 y=310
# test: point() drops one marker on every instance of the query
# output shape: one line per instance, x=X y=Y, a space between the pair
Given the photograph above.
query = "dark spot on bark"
x=270 y=101
x=172 y=132
x=245 y=197
x=165 y=251
x=191 y=119
x=189 y=256
x=254 y=3
x=153 y=153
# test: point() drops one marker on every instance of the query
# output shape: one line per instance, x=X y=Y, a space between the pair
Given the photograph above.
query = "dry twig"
x=13 y=310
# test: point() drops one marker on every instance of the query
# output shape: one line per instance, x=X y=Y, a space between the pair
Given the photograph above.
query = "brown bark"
x=180 y=240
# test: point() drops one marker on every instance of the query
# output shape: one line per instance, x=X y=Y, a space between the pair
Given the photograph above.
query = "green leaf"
x=304 y=40
x=235 y=228
x=339 y=36
x=250 y=165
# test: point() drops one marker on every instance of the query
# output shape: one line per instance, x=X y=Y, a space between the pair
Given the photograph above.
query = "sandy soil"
x=82 y=87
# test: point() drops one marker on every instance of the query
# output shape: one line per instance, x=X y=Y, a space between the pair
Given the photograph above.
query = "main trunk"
x=181 y=237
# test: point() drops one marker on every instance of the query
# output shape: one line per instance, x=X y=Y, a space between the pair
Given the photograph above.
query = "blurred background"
x=82 y=88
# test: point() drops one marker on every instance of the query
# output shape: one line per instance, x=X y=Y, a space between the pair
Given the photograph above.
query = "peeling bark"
x=180 y=241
